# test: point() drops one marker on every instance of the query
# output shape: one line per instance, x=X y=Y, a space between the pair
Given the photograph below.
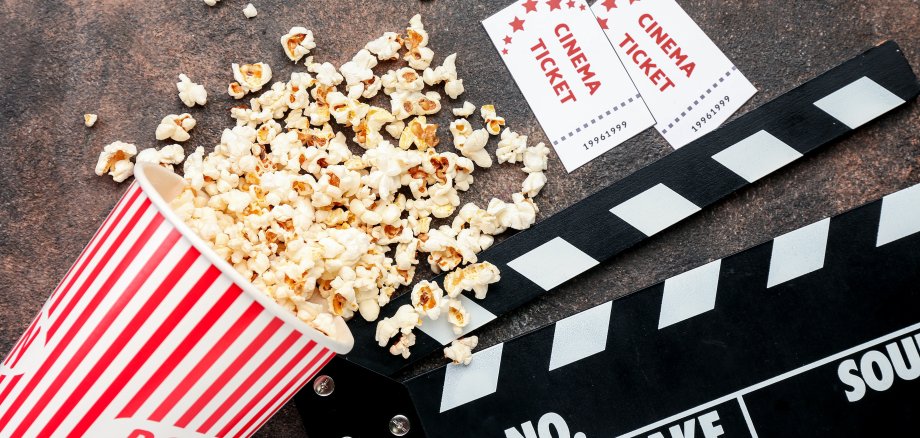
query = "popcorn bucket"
x=151 y=334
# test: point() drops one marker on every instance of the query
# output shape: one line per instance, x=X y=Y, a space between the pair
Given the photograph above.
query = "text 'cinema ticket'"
x=570 y=76
x=689 y=85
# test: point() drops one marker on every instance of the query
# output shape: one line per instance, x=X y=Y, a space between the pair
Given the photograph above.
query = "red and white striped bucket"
x=151 y=334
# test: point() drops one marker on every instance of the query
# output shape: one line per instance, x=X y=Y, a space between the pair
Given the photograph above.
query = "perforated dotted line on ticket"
x=599 y=117
x=702 y=97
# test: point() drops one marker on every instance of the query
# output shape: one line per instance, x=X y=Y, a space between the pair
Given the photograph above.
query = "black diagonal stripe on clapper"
x=588 y=225
x=752 y=334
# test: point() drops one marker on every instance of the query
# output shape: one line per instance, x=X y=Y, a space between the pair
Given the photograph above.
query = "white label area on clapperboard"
x=690 y=86
x=570 y=76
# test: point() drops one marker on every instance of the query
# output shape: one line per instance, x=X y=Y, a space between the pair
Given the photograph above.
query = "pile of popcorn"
x=328 y=232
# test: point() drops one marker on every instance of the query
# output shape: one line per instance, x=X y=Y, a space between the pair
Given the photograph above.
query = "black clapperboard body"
x=811 y=334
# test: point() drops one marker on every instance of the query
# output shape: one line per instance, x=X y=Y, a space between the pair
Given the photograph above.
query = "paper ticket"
x=689 y=85
x=570 y=75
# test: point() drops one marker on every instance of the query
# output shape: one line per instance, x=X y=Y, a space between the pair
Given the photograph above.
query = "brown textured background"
x=120 y=58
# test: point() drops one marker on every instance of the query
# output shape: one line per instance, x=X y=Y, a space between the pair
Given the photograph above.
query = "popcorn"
x=89 y=120
x=357 y=72
x=511 y=147
x=457 y=316
x=460 y=351
x=473 y=147
x=426 y=299
x=419 y=56
x=401 y=347
x=190 y=93
x=492 y=121
x=535 y=158
x=533 y=184
x=386 y=47
x=175 y=127
x=211 y=2
x=115 y=160
x=404 y=321
x=167 y=156
x=419 y=133
x=250 y=11
x=446 y=73
x=476 y=277
x=467 y=110
x=329 y=233
x=249 y=78
x=297 y=43
x=518 y=215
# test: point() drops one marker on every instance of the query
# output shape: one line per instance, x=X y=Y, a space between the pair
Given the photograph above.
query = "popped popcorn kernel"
x=249 y=77
x=250 y=11
x=401 y=347
x=492 y=122
x=465 y=111
x=175 y=127
x=211 y=2
x=460 y=351
x=89 y=120
x=115 y=160
x=476 y=277
x=457 y=315
x=167 y=156
x=190 y=93
x=426 y=299
x=297 y=43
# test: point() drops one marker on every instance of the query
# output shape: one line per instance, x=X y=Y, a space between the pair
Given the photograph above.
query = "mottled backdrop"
x=120 y=59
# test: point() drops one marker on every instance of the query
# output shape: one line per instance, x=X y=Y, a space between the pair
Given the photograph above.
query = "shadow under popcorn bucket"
x=150 y=334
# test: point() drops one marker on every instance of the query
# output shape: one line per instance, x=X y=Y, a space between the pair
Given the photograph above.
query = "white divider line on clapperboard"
x=692 y=293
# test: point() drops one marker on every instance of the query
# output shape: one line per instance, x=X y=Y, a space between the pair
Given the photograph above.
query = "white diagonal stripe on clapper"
x=552 y=263
x=655 y=209
x=689 y=294
x=798 y=252
x=900 y=215
x=859 y=102
x=465 y=383
x=580 y=335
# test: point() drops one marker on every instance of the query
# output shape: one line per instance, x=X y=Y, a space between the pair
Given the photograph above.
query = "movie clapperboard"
x=814 y=333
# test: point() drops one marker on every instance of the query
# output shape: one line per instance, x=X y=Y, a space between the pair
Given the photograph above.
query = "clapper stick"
x=616 y=218
x=665 y=192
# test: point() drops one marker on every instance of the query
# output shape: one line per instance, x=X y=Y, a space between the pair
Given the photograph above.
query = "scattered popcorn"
x=89 y=120
x=250 y=11
x=190 y=93
x=533 y=184
x=426 y=299
x=167 y=156
x=175 y=127
x=297 y=43
x=115 y=160
x=457 y=316
x=386 y=47
x=476 y=277
x=329 y=233
x=460 y=351
x=446 y=73
x=211 y=2
x=467 y=110
x=535 y=158
x=492 y=121
x=511 y=147
x=419 y=56
x=473 y=147
x=404 y=321
x=401 y=347
x=249 y=78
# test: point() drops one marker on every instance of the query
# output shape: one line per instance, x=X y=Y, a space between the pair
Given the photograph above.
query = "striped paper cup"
x=151 y=334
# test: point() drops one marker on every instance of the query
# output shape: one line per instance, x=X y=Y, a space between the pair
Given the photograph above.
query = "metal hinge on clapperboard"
x=812 y=334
